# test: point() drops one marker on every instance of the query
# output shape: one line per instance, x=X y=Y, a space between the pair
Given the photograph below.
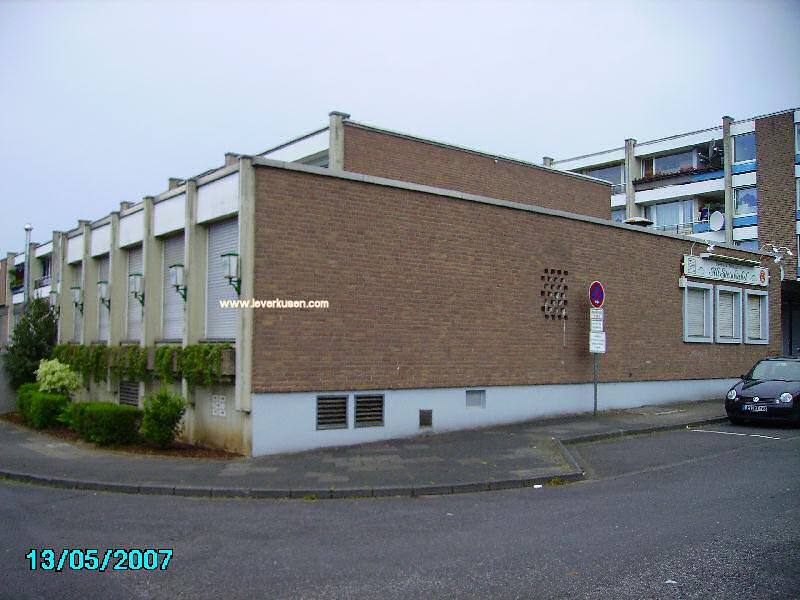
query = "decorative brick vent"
x=554 y=294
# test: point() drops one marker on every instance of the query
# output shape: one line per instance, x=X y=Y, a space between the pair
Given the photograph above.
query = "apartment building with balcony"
x=455 y=281
x=736 y=183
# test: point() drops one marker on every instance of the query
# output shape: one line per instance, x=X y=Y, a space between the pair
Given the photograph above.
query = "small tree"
x=54 y=376
x=32 y=340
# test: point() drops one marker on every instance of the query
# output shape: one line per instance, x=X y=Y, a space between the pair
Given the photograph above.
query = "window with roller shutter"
x=697 y=315
x=728 y=314
x=221 y=322
x=133 y=329
x=173 y=304
x=102 y=309
x=77 y=315
x=756 y=317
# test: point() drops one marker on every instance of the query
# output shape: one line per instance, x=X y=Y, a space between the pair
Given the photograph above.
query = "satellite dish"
x=716 y=221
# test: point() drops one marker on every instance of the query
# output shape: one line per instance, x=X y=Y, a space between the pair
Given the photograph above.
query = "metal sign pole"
x=595 y=386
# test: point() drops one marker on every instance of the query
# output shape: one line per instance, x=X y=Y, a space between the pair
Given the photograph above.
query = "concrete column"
x=194 y=269
x=117 y=286
x=9 y=298
x=336 y=140
x=631 y=209
x=153 y=278
x=56 y=275
x=89 y=323
x=33 y=271
x=730 y=205
x=247 y=253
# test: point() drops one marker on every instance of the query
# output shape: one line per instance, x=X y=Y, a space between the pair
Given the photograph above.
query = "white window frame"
x=737 y=315
x=764 y=317
x=708 y=338
x=733 y=148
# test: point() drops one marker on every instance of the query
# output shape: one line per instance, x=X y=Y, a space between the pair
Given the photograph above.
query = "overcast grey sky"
x=101 y=102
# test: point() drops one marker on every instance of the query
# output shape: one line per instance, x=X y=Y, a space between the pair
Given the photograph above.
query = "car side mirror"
x=743 y=376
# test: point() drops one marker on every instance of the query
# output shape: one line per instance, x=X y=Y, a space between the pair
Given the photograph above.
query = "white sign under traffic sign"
x=596 y=319
x=597 y=342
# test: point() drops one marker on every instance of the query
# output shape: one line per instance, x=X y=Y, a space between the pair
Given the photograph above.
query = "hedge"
x=24 y=396
x=46 y=408
x=104 y=423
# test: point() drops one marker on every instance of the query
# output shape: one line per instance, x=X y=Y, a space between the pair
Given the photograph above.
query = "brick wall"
x=776 y=185
x=430 y=291
x=396 y=157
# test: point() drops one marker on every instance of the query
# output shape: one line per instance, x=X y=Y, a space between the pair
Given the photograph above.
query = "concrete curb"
x=575 y=473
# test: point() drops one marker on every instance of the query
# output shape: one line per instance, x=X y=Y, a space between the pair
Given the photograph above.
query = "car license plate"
x=753 y=408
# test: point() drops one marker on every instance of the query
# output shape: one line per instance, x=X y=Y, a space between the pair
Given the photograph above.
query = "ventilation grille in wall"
x=554 y=293
x=332 y=412
x=129 y=393
x=369 y=411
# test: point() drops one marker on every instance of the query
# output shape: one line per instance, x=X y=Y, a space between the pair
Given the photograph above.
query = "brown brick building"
x=443 y=288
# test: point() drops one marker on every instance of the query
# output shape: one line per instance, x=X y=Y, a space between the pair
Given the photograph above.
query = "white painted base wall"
x=287 y=422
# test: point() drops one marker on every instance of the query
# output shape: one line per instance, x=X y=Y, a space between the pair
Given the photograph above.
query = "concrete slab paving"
x=492 y=458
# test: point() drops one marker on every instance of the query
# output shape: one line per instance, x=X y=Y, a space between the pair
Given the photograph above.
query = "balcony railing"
x=42 y=281
x=680 y=229
x=617 y=188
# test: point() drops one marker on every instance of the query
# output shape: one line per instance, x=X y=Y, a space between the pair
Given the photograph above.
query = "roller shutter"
x=173 y=306
x=696 y=312
x=754 y=330
x=102 y=310
x=220 y=322
x=133 y=330
x=726 y=313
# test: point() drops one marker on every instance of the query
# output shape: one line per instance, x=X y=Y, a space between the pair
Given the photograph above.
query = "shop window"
x=697 y=316
x=756 y=317
x=746 y=200
x=744 y=147
x=618 y=215
x=728 y=313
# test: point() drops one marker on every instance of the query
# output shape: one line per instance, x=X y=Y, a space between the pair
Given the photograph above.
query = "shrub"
x=32 y=340
x=46 y=408
x=162 y=417
x=104 y=423
x=54 y=376
x=24 y=395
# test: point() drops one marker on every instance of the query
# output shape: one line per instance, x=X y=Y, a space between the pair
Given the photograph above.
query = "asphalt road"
x=684 y=514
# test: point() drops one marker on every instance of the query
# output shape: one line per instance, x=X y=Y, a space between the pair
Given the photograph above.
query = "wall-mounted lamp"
x=779 y=251
x=135 y=287
x=176 y=279
x=230 y=269
x=710 y=247
x=77 y=297
x=102 y=292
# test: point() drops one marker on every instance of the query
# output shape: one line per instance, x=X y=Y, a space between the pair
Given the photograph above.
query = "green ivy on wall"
x=199 y=364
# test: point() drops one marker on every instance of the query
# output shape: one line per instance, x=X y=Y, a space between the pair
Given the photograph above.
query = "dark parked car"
x=769 y=392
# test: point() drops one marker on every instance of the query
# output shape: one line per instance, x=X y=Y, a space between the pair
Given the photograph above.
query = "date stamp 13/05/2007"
x=93 y=559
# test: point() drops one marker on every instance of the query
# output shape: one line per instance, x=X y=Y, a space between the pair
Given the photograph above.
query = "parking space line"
x=767 y=437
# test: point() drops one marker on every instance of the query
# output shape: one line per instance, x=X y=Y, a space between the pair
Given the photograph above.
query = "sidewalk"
x=478 y=460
